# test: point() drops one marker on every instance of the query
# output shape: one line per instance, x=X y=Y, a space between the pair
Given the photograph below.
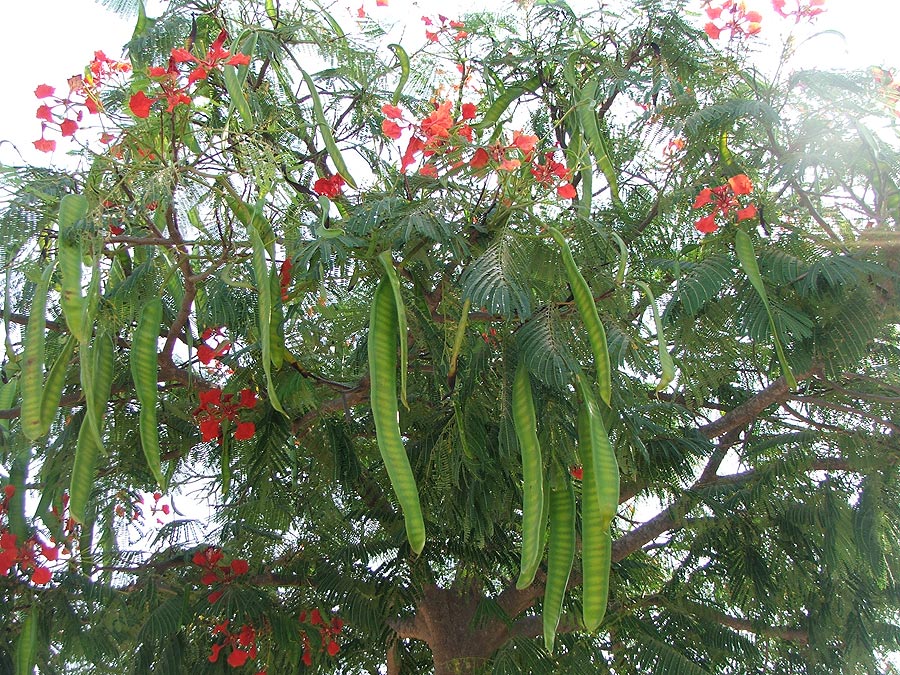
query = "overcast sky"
x=46 y=41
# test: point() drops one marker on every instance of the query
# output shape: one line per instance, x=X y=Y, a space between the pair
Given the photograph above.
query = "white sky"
x=46 y=41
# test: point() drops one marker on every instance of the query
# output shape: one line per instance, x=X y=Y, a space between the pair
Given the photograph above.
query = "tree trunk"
x=445 y=620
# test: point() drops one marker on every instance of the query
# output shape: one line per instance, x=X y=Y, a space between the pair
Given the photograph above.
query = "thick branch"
x=650 y=530
x=741 y=416
x=345 y=401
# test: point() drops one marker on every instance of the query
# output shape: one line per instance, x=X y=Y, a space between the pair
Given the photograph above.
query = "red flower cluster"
x=737 y=20
x=809 y=11
x=25 y=556
x=890 y=88
x=447 y=26
x=328 y=631
x=437 y=133
x=167 y=78
x=209 y=559
x=331 y=187
x=215 y=407
x=206 y=353
x=242 y=644
x=156 y=508
x=506 y=157
x=84 y=91
x=550 y=169
x=284 y=278
x=441 y=134
x=724 y=198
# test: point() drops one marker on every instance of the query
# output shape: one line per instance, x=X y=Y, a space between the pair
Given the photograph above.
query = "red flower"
x=214 y=656
x=239 y=566
x=567 y=191
x=165 y=508
x=577 y=472
x=44 y=113
x=244 y=431
x=391 y=111
x=198 y=73
x=237 y=658
x=707 y=224
x=140 y=104
x=704 y=198
x=740 y=184
x=746 y=213
x=480 y=159
x=415 y=146
x=51 y=553
x=205 y=354
x=176 y=97
x=213 y=597
x=248 y=398
x=181 y=55
x=284 y=279
x=429 y=170
x=333 y=648
x=43 y=91
x=437 y=125
x=41 y=575
x=209 y=429
x=391 y=129
x=239 y=60
x=210 y=397
x=712 y=30
x=724 y=198
x=523 y=142
x=469 y=110
x=330 y=187
x=381 y=3
x=246 y=638
x=68 y=127
x=45 y=144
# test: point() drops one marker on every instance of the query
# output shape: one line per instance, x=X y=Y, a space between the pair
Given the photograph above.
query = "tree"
x=643 y=305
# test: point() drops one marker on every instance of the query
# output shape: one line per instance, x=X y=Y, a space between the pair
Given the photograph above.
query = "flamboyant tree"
x=531 y=342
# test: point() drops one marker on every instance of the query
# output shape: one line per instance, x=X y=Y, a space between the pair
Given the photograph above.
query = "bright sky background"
x=46 y=41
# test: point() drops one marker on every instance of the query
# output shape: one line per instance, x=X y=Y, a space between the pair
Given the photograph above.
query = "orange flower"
x=740 y=184
x=724 y=198
x=391 y=129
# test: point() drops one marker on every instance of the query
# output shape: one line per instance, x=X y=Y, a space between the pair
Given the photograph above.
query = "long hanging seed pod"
x=525 y=423
x=382 y=346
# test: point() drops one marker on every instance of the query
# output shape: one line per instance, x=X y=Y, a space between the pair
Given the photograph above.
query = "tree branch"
x=837 y=407
x=741 y=416
x=745 y=625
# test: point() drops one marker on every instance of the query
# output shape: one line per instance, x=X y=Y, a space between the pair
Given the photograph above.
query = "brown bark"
x=460 y=644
